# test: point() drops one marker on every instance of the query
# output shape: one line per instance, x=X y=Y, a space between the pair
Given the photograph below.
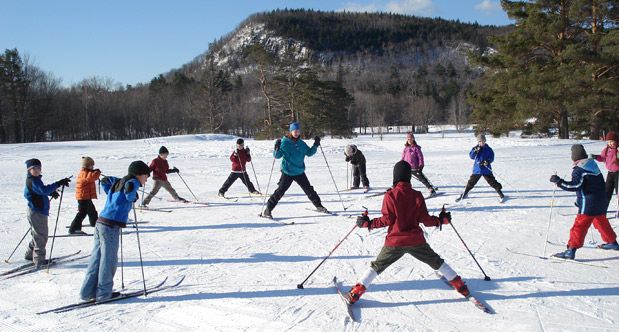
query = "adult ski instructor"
x=292 y=149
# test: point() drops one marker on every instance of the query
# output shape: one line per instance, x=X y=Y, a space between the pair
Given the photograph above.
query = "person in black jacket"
x=357 y=160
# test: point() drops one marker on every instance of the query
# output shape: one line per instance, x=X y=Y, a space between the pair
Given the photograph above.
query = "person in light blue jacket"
x=483 y=156
x=292 y=150
x=122 y=194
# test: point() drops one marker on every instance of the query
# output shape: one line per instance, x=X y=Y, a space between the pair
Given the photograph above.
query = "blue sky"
x=134 y=41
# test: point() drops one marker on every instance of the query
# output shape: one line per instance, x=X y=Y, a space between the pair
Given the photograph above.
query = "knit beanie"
x=611 y=136
x=87 y=162
x=295 y=126
x=138 y=167
x=410 y=135
x=163 y=150
x=32 y=163
x=578 y=152
x=240 y=141
x=481 y=138
x=401 y=172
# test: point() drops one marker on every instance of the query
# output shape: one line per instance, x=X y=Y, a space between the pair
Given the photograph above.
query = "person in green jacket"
x=292 y=149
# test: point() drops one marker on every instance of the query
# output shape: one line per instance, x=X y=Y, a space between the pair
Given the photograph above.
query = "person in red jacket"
x=85 y=192
x=160 y=168
x=239 y=159
x=403 y=210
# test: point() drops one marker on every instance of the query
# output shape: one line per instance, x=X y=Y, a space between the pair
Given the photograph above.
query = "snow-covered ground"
x=242 y=270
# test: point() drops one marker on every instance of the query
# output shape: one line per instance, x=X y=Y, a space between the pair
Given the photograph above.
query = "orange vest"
x=85 y=187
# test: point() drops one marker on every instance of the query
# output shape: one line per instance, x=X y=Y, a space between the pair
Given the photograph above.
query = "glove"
x=420 y=168
x=175 y=170
x=347 y=159
x=63 y=182
x=485 y=163
x=317 y=141
x=247 y=151
x=54 y=195
x=364 y=220
x=106 y=179
x=96 y=170
x=278 y=143
x=592 y=156
x=477 y=149
x=554 y=178
x=444 y=217
x=236 y=153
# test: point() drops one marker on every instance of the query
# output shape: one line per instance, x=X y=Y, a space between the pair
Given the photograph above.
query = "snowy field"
x=242 y=270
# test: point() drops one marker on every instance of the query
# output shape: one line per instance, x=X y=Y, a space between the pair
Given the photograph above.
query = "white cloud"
x=408 y=7
x=488 y=7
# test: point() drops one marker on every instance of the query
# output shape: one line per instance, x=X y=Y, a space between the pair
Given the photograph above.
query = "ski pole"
x=486 y=277
x=122 y=265
x=268 y=183
x=347 y=182
x=552 y=202
x=20 y=241
x=194 y=196
x=332 y=178
x=255 y=176
x=245 y=177
x=51 y=250
x=300 y=286
x=137 y=234
x=503 y=180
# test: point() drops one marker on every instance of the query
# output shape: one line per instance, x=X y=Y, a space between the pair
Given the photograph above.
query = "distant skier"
x=160 y=168
x=292 y=149
x=610 y=156
x=239 y=159
x=357 y=161
x=38 y=210
x=483 y=155
x=121 y=195
x=413 y=155
x=403 y=210
x=588 y=183
x=85 y=192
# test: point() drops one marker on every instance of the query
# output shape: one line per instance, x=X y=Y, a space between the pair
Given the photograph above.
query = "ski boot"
x=355 y=293
x=267 y=213
x=609 y=246
x=570 y=253
x=460 y=286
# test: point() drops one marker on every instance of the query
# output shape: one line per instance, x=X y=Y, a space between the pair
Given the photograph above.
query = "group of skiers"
x=403 y=208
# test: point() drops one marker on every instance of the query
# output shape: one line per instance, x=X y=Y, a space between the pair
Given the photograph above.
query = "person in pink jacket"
x=413 y=155
x=611 y=157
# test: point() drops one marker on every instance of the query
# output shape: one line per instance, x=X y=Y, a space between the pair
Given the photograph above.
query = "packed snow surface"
x=242 y=271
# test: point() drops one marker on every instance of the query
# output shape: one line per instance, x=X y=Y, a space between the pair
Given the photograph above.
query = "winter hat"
x=163 y=150
x=578 y=152
x=481 y=138
x=138 y=167
x=87 y=162
x=240 y=141
x=32 y=163
x=611 y=136
x=401 y=172
x=410 y=135
x=295 y=126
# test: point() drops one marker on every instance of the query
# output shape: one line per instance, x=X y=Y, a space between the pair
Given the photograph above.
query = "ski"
x=252 y=194
x=565 y=246
x=25 y=266
x=471 y=298
x=434 y=195
x=128 y=223
x=377 y=194
x=71 y=235
x=228 y=199
x=122 y=296
x=276 y=220
x=328 y=212
x=190 y=202
x=141 y=209
x=557 y=259
x=343 y=298
x=53 y=263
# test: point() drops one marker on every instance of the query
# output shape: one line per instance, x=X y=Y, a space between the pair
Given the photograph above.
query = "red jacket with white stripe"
x=239 y=163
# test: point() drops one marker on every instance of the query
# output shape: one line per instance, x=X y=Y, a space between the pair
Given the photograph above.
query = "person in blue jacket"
x=122 y=193
x=292 y=149
x=483 y=155
x=38 y=210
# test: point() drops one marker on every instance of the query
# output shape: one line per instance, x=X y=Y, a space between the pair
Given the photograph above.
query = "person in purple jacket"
x=483 y=156
x=611 y=157
x=413 y=155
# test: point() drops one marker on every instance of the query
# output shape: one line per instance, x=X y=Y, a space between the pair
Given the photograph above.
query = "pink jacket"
x=413 y=155
x=609 y=156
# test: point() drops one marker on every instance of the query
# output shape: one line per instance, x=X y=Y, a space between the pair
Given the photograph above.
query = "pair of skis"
x=29 y=267
x=558 y=259
x=122 y=296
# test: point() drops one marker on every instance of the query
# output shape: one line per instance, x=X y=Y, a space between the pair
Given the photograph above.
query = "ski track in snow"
x=242 y=270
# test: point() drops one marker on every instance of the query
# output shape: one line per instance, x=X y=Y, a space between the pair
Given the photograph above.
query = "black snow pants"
x=284 y=183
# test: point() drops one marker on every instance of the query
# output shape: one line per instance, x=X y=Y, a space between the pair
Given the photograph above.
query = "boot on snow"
x=355 y=293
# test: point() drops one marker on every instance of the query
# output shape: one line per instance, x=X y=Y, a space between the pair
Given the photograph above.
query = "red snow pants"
x=581 y=226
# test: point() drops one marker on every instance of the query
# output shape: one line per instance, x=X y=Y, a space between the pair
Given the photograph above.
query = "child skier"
x=413 y=155
x=85 y=192
x=38 y=210
x=483 y=155
x=357 y=161
x=122 y=193
x=292 y=149
x=160 y=168
x=239 y=159
x=610 y=156
x=588 y=183
x=403 y=209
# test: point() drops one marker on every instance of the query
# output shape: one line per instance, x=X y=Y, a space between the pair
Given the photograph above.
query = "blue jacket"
x=36 y=193
x=121 y=193
x=588 y=183
x=293 y=155
x=485 y=153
